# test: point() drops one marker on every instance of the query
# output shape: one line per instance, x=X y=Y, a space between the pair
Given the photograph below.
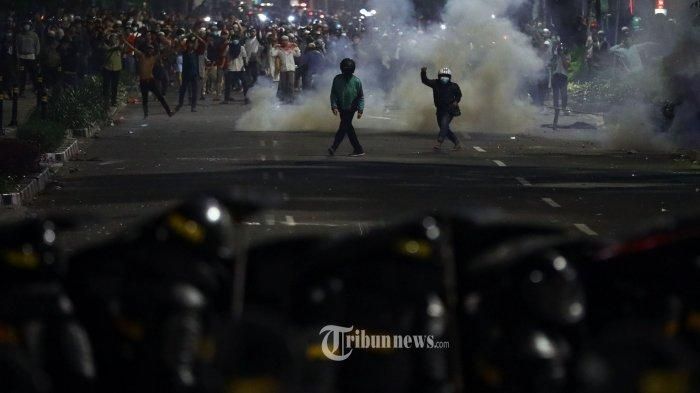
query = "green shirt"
x=113 y=58
x=347 y=93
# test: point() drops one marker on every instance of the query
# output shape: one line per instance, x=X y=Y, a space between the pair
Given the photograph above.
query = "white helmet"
x=445 y=71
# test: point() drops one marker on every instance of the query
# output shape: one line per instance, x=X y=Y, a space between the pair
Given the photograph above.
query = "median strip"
x=550 y=202
x=586 y=229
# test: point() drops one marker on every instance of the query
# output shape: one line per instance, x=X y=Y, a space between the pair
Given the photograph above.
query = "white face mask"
x=444 y=80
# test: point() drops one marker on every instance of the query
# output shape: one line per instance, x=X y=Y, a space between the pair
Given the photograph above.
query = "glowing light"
x=262 y=17
x=291 y=18
x=559 y=263
x=364 y=12
x=544 y=346
x=213 y=214
x=49 y=236
x=493 y=16
x=207 y=19
x=443 y=26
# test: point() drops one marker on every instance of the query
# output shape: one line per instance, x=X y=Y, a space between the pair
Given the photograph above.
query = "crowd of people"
x=601 y=54
x=213 y=57
x=201 y=57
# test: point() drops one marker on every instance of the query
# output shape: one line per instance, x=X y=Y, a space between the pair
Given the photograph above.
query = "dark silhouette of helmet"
x=202 y=226
x=347 y=66
x=28 y=252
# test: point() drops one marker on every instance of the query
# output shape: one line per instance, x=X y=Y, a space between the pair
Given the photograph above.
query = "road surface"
x=137 y=168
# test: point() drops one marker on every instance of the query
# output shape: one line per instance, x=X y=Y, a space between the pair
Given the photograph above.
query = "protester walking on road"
x=190 y=76
x=560 y=82
x=147 y=62
x=111 y=69
x=236 y=61
x=446 y=96
x=347 y=97
x=253 y=49
x=286 y=52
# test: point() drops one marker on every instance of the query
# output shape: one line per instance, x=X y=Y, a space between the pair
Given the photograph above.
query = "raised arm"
x=133 y=48
x=424 y=78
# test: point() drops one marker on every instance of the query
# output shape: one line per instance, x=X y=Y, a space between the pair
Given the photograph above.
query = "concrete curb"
x=63 y=155
x=39 y=181
x=84 y=132
x=29 y=191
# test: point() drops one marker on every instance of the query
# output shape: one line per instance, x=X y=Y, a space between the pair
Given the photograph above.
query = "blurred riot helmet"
x=552 y=289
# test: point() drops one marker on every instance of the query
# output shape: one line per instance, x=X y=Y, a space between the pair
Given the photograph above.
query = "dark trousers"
x=27 y=68
x=110 y=84
x=560 y=91
x=444 y=118
x=346 y=128
x=150 y=86
x=191 y=84
x=254 y=70
x=52 y=76
x=285 y=88
x=232 y=78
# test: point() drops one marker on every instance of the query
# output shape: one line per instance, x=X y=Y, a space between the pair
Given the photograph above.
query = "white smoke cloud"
x=671 y=73
x=489 y=57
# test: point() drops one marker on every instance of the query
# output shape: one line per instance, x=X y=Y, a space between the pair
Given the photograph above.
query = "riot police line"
x=181 y=303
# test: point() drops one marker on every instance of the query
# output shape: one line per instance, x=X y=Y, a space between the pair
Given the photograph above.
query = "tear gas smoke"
x=671 y=74
x=490 y=59
x=492 y=62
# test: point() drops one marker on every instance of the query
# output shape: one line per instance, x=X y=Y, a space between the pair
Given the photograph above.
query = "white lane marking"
x=499 y=163
x=280 y=175
x=263 y=157
x=208 y=159
x=379 y=117
x=252 y=223
x=550 y=202
x=270 y=219
x=110 y=162
x=480 y=150
x=275 y=143
x=290 y=221
x=262 y=143
x=523 y=181
x=586 y=229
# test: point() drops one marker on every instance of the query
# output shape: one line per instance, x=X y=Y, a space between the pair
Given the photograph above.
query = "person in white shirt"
x=236 y=62
x=286 y=52
x=560 y=78
x=253 y=49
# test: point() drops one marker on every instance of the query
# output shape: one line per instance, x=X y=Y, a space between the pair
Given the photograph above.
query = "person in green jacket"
x=111 y=68
x=347 y=98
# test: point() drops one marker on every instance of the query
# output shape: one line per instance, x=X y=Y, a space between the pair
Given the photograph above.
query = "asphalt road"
x=138 y=168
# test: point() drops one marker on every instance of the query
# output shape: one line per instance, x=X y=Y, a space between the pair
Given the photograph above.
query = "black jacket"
x=444 y=95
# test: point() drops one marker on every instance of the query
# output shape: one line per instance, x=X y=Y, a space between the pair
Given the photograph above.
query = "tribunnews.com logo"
x=339 y=342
